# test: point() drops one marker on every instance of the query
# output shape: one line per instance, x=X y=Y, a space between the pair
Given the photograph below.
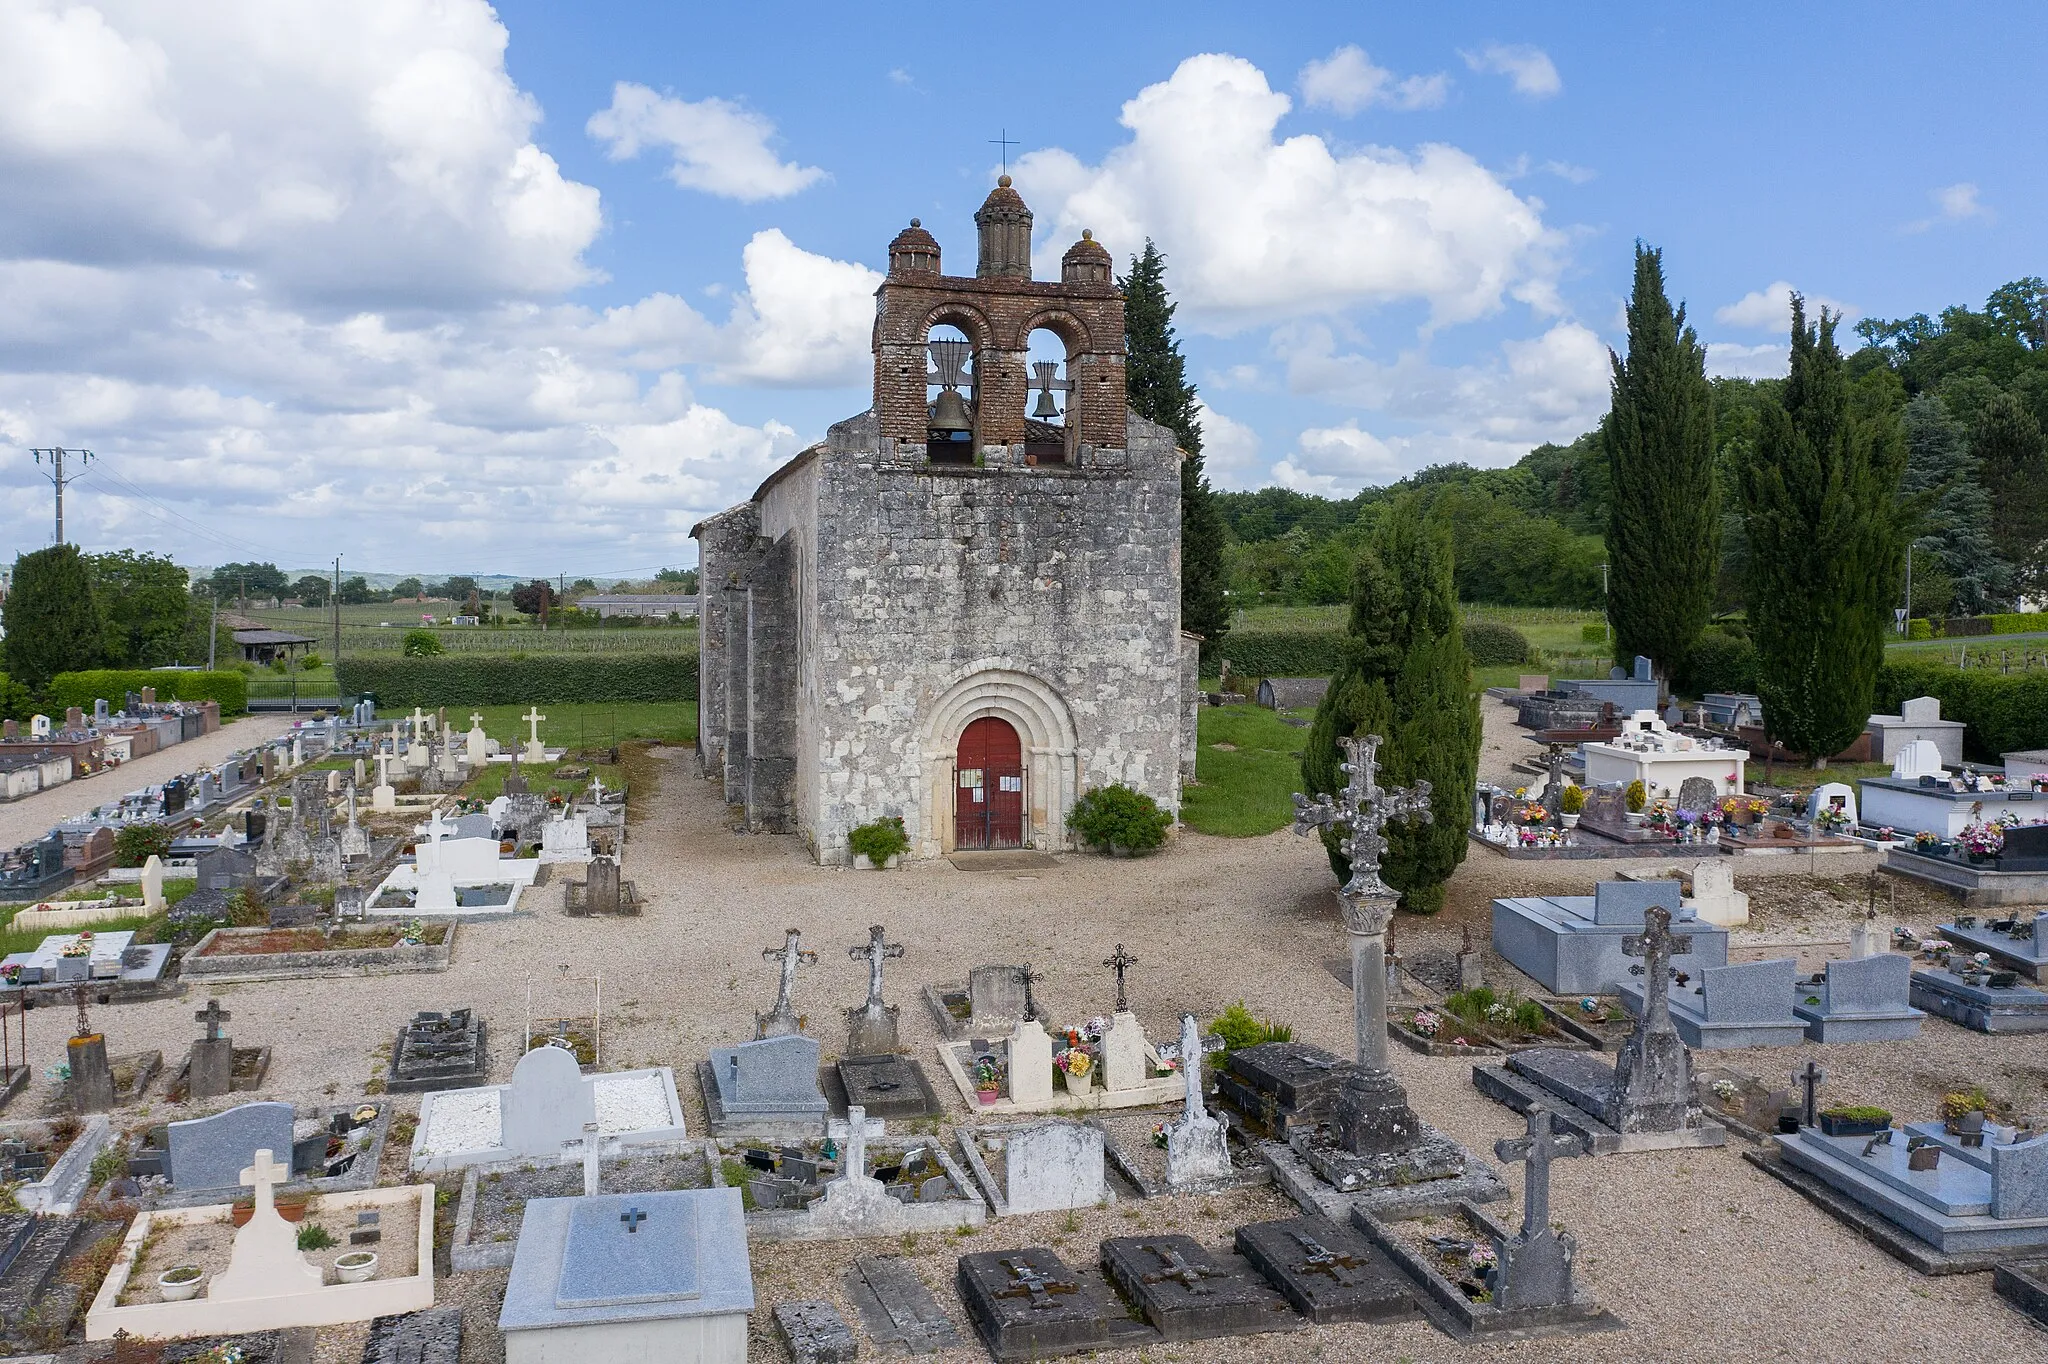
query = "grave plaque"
x=898 y=1311
x=211 y=1153
x=1051 y=1166
x=621 y=1252
x=1026 y=1305
x=887 y=1086
x=1328 y=1271
x=1187 y=1294
x=996 y=992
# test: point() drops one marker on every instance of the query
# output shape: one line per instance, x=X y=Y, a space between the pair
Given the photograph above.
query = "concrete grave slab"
x=1026 y=1304
x=1187 y=1293
x=896 y=1309
x=1328 y=1271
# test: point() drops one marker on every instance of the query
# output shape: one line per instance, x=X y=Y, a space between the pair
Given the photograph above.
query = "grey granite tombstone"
x=1328 y=1271
x=1627 y=902
x=1187 y=1294
x=770 y=1077
x=2019 y=1179
x=546 y=1105
x=816 y=1333
x=211 y=1153
x=995 y=993
x=1696 y=794
x=1053 y=1166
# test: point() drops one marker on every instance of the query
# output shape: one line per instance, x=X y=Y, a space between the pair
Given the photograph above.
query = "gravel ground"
x=32 y=816
x=1704 y=1257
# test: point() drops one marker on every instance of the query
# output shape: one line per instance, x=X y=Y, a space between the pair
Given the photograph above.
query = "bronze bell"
x=950 y=413
x=1046 y=407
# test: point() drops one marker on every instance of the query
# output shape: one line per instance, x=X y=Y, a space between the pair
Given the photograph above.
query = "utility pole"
x=58 y=478
x=213 y=632
x=337 y=610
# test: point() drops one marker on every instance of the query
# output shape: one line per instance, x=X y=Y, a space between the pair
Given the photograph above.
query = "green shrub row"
x=1494 y=645
x=81 y=689
x=1919 y=628
x=1285 y=653
x=456 y=680
x=2003 y=712
x=2009 y=623
x=1719 y=662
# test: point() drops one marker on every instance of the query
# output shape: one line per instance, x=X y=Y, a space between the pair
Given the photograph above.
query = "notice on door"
x=1009 y=783
x=970 y=779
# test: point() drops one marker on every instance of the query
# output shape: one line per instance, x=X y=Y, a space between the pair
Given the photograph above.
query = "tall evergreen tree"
x=53 y=625
x=1157 y=387
x=1664 y=519
x=1407 y=678
x=1820 y=501
x=1951 y=511
x=2012 y=459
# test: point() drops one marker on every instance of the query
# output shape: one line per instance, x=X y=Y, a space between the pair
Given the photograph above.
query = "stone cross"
x=1179 y=1270
x=383 y=768
x=419 y=723
x=533 y=717
x=1120 y=961
x=782 y=1018
x=1810 y=1079
x=632 y=1217
x=1363 y=809
x=1341 y=1266
x=876 y=950
x=1189 y=1052
x=476 y=720
x=855 y=1131
x=1656 y=947
x=436 y=830
x=212 y=1016
x=1027 y=1282
x=1538 y=1149
x=263 y=1177
x=1553 y=783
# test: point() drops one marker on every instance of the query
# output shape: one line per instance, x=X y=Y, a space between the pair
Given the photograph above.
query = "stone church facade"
x=953 y=610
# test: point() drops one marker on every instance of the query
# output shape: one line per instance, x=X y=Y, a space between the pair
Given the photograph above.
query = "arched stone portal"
x=1045 y=733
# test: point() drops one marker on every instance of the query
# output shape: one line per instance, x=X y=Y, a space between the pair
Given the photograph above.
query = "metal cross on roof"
x=1005 y=142
x=876 y=950
x=1120 y=961
x=1363 y=809
x=1027 y=1282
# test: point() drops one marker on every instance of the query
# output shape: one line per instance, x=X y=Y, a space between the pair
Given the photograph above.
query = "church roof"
x=1002 y=199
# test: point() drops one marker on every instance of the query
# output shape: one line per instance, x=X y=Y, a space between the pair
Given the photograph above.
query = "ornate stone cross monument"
x=1120 y=961
x=1197 y=1150
x=877 y=950
x=1653 y=1075
x=781 y=1020
x=871 y=1028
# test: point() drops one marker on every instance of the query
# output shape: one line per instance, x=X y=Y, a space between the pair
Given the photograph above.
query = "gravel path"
x=1705 y=1258
x=32 y=816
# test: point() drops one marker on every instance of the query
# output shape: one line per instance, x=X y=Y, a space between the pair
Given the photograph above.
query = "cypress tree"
x=1407 y=678
x=2012 y=458
x=1156 y=385
x=1664 y=519
x=1820 y=502
x=53 y=625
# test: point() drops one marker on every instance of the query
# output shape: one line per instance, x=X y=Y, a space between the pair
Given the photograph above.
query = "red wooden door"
x=988 y=806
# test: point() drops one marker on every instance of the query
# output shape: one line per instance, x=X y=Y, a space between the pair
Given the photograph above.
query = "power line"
x=58 y=478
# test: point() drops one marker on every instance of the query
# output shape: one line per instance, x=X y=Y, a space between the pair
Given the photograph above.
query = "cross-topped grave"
x=1652 y=1089
x=212 y=1016
x=1536 y=1150
x=871 y=1028
x=1189 y=1051
x=534 y=752
x=853 y=1134
x=1197 y=1149
x=877 y=950
x=265 y=1261
x=210 y=1069
x=1810 y=1080
x=1535 y=1265
x=1120 y=961
x=1027 y=1282
x=782 y=1020
x=1177 y=1267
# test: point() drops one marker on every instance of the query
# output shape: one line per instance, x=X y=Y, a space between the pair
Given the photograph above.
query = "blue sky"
x=443 y=288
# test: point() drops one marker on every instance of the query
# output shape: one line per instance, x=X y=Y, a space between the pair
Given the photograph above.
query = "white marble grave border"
x=329 y=1305
x=1165 y=1089
x=62 y=1187
x=423 y=1161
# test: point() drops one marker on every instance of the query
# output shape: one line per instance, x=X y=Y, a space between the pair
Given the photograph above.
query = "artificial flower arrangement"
x=1926 y=841
x=81 y=946
x=1427 y=1022
x=1532 y=814
x=1832 y=818
x=1753 y=806
x=1982 y=840
x=1075 y=1061
x=1159 y=1135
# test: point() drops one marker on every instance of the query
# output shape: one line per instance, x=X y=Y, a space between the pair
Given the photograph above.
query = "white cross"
x=419 y=721
x=383 y=769
x=261 y=1176
x=597 y=789
x=855 y=1131
x=1189 y=1052
x=533 y=717
x=476 y=721
x=436 y=831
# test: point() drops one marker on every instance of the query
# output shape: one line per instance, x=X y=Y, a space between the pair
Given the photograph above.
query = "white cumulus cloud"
x=1260 y=228
x=804 y=320
x=1732 y=360
x=1957 y=203
x=1770 y=308
x=1528 y=69
x=1347 y=81
x=1336 y=461
x=1230 y=449
x=714 y=145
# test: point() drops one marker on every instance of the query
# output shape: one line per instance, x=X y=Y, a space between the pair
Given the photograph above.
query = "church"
x=962 y=607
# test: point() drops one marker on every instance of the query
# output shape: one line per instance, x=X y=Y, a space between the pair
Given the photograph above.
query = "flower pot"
x=1784 y=830
x=1078 y=1084
x=1835 y=1125
x=290 y=1209
x=1571 y=821
x=181 y=1290
x=358 y=1266
x=1636 y=819
x=987 y=1096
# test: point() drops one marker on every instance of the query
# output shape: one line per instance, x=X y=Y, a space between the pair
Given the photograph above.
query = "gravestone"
x=266 y=1261
x=1652 y=1089
x=1696 y=794
x=601 y=886
x=90 y=1088
x=544 y=1108
x=210 y=1153
x=1053 y=1166
x=1715 y=899
x=773 y=1078
x=782 y=1019
x=212 y=1066
x=996 y=995
x=1124 y=1063
x=1188 y=1295
x=153 y=885
x=1862 y=999
x=896 y=1308
x=815 y=1332
x=1329 y=1272
x=1197 y=1150
x=1534 y=1267
x=887 y=1085
x=1030 y=1064
x=871 y=1028
x=439 y=1051
x=1027 y=1305
x=1832 y=796
x=1282 y=1087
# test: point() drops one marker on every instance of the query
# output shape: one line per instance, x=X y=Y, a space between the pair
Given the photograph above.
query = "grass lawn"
x=490 y=783
x=1797 y=776
x=583 y=724
x=148 y=928
x=1246 y=788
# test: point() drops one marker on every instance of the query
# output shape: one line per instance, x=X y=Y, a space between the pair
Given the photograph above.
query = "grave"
x=1862 y=999
x=1645 y=1101
x=601 y=891
x=1048 y=1166
x=1281 y=1087
x=1328 y=1271
x=888 y=1086
x=1974 y=1205
x=456 y=871
x=438 y=1051
x=543 y=1111
x=209 y=1153
x=765 y=1088
x=104 y=960
x=1715 y=900
x=895 y=1307
x=2024 y=1284
x=1026 y=1304
x=859 y=1205
x=1746 y=1005
x=2017 y=942
x=782 y=1019
x=1918 y=721
x=630 y=1276
x=816 y=1333
x=871 y=1028
x=433 y=1336
x=1649 y=751
x=991 y=1002
x=566 y=838
x=211 y=1062
x=1197 y=1149
x=1981 y=1001
x=1573 y=943
x=1186 y=1293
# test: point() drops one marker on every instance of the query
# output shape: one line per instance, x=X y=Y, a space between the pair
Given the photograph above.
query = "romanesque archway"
x=1048 y=750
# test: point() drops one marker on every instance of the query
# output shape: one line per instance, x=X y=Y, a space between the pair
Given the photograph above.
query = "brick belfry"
x=961 y=609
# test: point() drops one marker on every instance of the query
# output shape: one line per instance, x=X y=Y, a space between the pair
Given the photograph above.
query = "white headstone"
x=1918 y=759
x=1866 y=939
x=384 y=796
x=153 y=885
x=1053 y=1166
x=1921 y=710
x=39 y=726
x=545 y=1108
x=476 y=741
x=1124 y=1064
x=534 y=752
x=1714 y=896
x=1030 y=1064
x=1832 y=794
x=266 y=1261
x=333 y=781
x=361 y=773
x=565 y=840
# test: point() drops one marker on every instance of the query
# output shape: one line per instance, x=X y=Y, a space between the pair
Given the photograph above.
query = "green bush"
x=1493 y=644
x=16 y=701
x=1594 y=633
x=1572 y=800
x=519 y=679
x=2019 y=623
x=421 y=644
x=81 y=689
x=1316 y=652
x=2003 y=712
x=313 y=1236
x=137 y=843
x=1238 y=1029
x=1635 y=797
x=1919 y=628
x=1119 y=817
x=879 y=840
x=1719 y=662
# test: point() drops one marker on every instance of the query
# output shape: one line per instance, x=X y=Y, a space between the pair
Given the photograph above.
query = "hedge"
x=1919 y=628
x=2003 y=712
x=81 y=689
x=1494 y=645
x=459 y=680
x=1285 y=653
x=2010 y=623
x=1719 y=662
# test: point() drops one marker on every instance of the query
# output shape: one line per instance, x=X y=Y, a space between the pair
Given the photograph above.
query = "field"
x=381 y=628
